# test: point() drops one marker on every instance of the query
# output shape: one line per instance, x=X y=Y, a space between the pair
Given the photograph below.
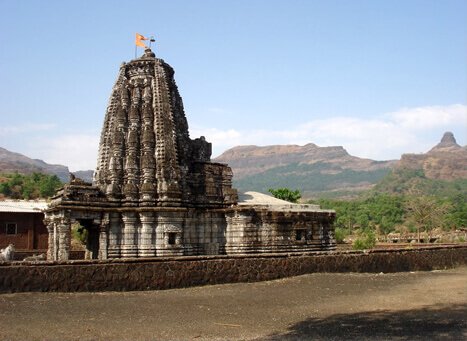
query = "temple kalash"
x=156 y=193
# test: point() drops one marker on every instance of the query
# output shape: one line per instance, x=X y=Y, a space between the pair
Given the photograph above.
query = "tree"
x=34 y=186
x=286 y=194
x=366 y=240
x=426 y=212
x=457 y=215
x=49 y=185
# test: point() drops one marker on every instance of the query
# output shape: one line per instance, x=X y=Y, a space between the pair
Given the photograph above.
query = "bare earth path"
x=401 y=306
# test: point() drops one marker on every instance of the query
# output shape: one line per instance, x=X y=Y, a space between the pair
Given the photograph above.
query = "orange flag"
x=138 y=41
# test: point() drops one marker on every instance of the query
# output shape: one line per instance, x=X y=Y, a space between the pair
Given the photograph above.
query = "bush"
x=29 y=187
x=79 y=233
x=366 y=240
x=340 y=234
x=286 y=194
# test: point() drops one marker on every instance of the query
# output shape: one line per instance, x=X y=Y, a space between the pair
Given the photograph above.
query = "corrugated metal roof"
x=23 y=206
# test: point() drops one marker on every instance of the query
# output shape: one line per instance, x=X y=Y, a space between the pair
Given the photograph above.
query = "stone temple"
x=156 y=193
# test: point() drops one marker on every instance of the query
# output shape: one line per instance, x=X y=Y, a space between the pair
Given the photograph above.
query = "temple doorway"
x=91 y=231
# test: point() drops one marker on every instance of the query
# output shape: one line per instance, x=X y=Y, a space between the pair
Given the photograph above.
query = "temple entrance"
x=91 y=232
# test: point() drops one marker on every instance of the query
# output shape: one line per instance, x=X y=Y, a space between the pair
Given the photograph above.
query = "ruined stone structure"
x=156 y=193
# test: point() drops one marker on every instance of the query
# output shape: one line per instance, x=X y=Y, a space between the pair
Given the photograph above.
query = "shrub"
x=286 y=194
x=340 y=234
x=366 y=240
x=79 y=233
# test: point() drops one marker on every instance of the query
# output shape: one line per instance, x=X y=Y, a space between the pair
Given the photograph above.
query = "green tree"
x=286 y=194
x=366 y=240
x=5 y=189
x=36 y=185
x=426 y=212
x=49 y=185
x=456 y=216
x=340 y=234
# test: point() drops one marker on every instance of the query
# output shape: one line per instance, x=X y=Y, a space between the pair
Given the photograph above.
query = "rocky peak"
x=446 y=161
x=448 y=141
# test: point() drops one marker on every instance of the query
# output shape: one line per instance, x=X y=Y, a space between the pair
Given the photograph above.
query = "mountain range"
x=11 y=162
x=312 y=169
x=315 y=171
x=332 y=171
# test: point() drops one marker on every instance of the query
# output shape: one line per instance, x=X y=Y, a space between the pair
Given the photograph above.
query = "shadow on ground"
x=433 y=323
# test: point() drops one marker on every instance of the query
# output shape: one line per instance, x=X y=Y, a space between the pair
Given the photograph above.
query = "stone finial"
x=148 y=53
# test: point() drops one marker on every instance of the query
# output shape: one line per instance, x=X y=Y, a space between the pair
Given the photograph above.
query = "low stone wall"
x=177 y=272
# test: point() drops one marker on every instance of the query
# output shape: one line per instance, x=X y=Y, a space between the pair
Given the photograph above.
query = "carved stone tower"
x=146 y=157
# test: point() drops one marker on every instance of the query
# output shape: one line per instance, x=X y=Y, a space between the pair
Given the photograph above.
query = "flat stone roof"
x=263 y=200
x=23 y=206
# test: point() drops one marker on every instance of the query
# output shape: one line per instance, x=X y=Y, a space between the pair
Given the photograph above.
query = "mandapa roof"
x=263 y=200
x=23 y=206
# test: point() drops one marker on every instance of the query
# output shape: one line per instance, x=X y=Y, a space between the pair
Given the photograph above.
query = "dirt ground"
x=401 y=306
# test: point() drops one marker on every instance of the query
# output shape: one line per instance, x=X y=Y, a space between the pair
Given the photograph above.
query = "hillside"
x=445 y=161
x=441 y=171
x=316 y=171
x=11 y=162
x=85 y=175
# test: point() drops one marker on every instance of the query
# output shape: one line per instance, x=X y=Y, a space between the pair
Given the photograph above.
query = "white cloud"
x=77 y=151
x=430 y=117
x=383 y=137
x=222 y=136
x=24 y=128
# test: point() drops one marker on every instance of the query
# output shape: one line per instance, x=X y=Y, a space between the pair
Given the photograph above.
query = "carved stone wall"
x=255 y=229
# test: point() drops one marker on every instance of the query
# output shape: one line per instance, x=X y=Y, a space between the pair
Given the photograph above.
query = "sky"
x=380 y=78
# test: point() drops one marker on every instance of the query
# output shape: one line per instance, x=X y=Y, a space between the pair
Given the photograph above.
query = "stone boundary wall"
x=178 y=272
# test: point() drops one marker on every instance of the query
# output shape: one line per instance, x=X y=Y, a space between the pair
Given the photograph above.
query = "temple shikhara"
x=156 y=193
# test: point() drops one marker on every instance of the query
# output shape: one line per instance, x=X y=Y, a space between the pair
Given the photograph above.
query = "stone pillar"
x=218 y=230
x=190 y=236
x=103 y=236
x=114 y=235
x=237 y=224
x=147 y=247
x=129 y=246
x=50 y=246
x=64 y=239
x=55 y=241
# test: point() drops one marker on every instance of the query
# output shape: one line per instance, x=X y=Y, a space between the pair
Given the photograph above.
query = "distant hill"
x=316 y=171
x=445 y=161
x=441 y=171
x=85 y=175
x=11 y=162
